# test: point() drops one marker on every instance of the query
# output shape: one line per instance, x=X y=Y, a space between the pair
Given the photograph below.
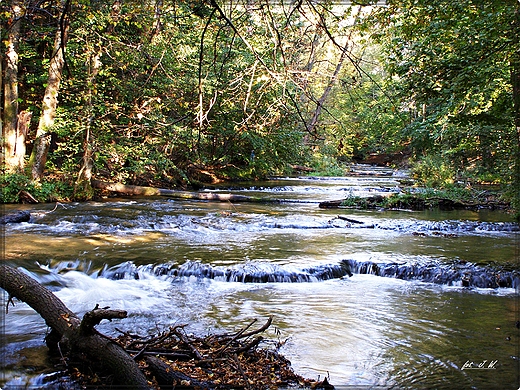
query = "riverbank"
x=407 y=195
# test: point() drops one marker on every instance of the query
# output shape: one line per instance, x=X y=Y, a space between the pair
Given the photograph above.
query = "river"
x=399 y=300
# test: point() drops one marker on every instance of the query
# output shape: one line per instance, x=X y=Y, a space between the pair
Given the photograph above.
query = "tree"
x=515 y=81
x=50 y=100
x=454 y=61
x=12 y=129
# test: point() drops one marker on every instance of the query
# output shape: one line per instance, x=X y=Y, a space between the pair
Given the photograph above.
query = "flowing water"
x=396 y=299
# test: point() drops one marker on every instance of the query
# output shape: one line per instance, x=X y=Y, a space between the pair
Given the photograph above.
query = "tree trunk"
x=22 y=129
x=311 y=127
x=152 y=191
x=83 y=188
x=515 y=81
x=66 y=325
x=83 y=184
x=157 y=24
x=10 y=114
x=50 y=99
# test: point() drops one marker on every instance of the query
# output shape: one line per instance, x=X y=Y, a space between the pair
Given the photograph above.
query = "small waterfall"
x=244 y=273
x=457 y=274
x=462 y=274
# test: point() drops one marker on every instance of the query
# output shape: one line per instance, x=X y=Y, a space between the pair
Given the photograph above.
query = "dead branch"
x=189 y=344
x=251 y=345
x=259 y=330
x=349 y=219
x=95 y=316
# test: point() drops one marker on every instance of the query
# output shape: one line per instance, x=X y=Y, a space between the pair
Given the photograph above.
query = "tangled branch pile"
x=174 y=359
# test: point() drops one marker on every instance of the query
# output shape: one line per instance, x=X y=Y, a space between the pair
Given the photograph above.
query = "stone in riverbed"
x=19 y=216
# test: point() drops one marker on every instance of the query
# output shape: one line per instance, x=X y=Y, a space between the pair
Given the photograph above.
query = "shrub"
x=433 y=171
x=47 y=190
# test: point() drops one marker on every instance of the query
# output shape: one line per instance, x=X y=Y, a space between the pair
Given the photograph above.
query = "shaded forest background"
x=176 y=93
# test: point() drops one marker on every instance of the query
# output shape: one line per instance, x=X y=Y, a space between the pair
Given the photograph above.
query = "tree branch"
x=64 y=322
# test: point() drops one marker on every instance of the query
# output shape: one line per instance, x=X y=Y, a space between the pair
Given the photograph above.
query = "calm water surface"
x=361 y=331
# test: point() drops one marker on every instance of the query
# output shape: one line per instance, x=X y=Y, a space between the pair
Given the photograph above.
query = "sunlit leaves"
x=452 y=59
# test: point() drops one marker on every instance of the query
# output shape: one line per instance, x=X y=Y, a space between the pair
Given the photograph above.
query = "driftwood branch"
x=349 y=219
x=253 y=344
x=259 y=330
x=185 y=340
x=242 y=335
x=95 y=316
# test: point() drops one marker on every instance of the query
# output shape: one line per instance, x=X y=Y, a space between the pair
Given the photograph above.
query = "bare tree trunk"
x=152 y=191
x=80 y=335
x=50 y=99
x=515 y=81
x=22 y=129
x=311 y=127
x=11 y=156
x=157 y=24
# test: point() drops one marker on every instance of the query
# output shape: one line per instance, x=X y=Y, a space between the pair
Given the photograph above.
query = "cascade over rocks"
x=244 y=273
x=461 y=273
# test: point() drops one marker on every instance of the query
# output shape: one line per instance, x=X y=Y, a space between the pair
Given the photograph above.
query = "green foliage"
x=12 y=185
x=326 y=165
x=355 y=201
x=433 y=171
x=48 y=190
x=420 y=199
x=450 y=62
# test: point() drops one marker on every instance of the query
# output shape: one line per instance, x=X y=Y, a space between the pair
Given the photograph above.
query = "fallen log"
x=152 y=191
x=330 y=204
x=301 y=168
x=66 y=326
x=349 y=219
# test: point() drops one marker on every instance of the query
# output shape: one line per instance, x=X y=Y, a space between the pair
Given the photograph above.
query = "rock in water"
x=20 y=216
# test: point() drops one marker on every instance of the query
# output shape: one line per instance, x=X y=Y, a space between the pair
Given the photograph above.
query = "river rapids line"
x=463 y=274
